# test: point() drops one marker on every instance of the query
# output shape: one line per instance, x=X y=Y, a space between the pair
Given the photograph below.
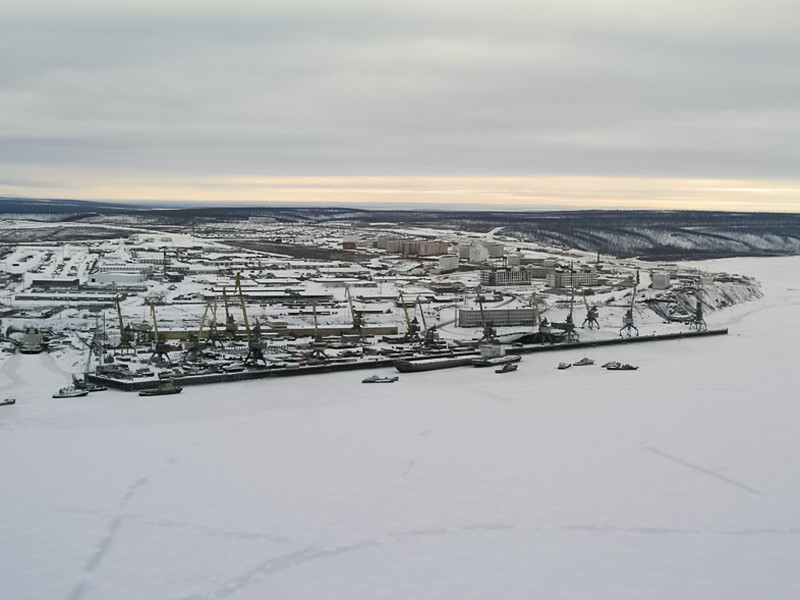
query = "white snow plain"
x=679 y=480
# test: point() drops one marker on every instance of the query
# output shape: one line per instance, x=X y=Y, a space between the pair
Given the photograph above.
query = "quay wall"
x=260 y=373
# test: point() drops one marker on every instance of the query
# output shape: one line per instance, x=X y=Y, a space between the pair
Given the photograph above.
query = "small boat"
x=164 y=388
x=378 y=379
x=621 y=367
x=8 y=401
x=564 y=365
x=496 y=361
x=508 y=367
x=84 y=384
x=583 y=362
x=70 y=392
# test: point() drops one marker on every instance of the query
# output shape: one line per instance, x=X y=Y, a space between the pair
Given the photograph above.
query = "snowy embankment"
x=674 y=481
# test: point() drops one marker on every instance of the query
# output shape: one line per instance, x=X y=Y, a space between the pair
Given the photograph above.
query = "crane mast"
x=155 y=322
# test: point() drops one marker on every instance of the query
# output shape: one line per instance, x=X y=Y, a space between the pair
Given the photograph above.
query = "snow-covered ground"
x=679 y=480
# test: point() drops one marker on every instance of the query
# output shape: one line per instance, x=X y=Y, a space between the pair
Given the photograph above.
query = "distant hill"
x=654 y=235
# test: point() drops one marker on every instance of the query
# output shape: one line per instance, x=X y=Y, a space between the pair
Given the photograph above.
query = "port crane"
x=544 y=331
x=412 y=325
x=161 y=349
x=231 y=327
x=568 y=326
x=255 y=353
x=125 y=331
x=358 y=318
x=196 y=339
x=430 y=334
x=318 y=346
x=697 y=321
x=489 y=332
x=591 y=313
x=628 y=325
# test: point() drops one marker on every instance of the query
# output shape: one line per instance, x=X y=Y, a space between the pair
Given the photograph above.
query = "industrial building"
x=585 y=277
x=499 y=317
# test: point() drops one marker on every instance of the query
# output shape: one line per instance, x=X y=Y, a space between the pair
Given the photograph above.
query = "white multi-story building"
x=478 y=253
x=566 y=278
x=447 y=263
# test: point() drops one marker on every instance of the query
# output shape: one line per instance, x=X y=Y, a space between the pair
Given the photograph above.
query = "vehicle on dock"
x=70 y=392
x=378 y=379
x=508 y=367
x=164 y=388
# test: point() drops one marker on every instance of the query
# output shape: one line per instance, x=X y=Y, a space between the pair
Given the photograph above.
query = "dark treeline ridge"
x=655 y=235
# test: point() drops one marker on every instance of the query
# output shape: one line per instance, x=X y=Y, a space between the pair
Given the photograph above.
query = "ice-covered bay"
x=678 y=480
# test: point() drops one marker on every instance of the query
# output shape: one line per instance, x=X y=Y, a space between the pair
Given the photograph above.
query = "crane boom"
x=422 y=314
x=241 y=301
x=203 y=320
x=119 y=316
x=405 y=310
x=350 y=303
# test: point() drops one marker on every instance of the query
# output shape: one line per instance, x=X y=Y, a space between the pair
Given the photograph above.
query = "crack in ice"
x=703 y=470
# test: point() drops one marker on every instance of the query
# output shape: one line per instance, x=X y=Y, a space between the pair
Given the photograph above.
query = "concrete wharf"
x=376 y=362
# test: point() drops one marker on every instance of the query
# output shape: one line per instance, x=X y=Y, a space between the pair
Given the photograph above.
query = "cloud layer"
x=258 y=89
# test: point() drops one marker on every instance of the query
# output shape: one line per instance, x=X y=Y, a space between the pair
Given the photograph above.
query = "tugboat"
x=493 y=354
x=164 y=388
x=85 y=384
x=70 y=392
x=378 y=379
x=508 y=367
x=620 y=367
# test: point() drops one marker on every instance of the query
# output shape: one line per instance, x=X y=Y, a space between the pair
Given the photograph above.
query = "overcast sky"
x=266 y=99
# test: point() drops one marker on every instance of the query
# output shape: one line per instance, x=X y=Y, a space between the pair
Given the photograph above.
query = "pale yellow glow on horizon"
x=479 y=192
